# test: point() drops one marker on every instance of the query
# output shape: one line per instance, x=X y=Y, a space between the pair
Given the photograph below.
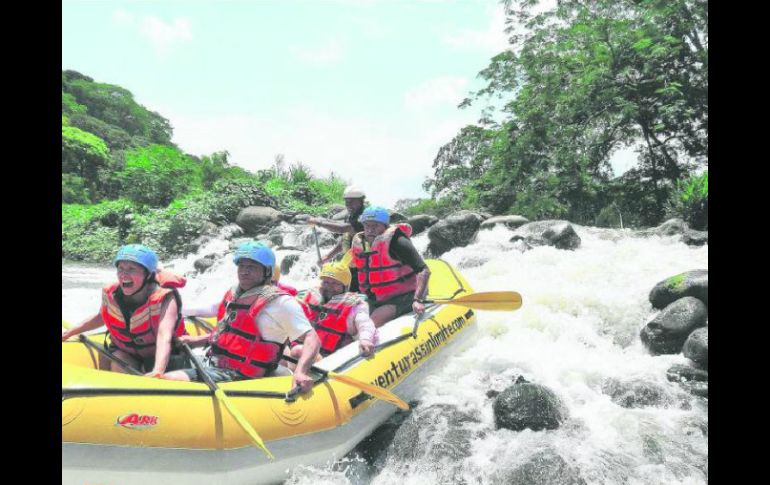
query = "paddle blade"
x=375 y=391
x=488 y=300
x=250 y=431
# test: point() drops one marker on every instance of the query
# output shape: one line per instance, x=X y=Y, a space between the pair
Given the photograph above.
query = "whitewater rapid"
x=577 y=331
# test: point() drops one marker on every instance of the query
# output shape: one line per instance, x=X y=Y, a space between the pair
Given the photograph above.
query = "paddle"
x=487 y=300
x=370 y=389
x=87 y=342
x=222 y=397
x=317 y=248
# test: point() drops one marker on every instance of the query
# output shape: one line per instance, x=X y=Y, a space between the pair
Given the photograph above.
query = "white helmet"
x=353 y=192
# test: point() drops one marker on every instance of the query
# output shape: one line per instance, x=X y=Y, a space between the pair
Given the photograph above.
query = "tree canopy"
x=579 y=82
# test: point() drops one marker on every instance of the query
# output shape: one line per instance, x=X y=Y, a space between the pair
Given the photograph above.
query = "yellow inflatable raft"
x=126 y=429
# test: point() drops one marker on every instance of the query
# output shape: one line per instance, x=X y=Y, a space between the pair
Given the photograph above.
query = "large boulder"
x=434 y=431
x=559 y=234
x=421 y=222
x=254 y=220
x=457 y=230
x=696 y=347
x=530 y=406
x=695 y=238
x=511 y=222
x=544 y=467
x=668 y=331
x=691 y=283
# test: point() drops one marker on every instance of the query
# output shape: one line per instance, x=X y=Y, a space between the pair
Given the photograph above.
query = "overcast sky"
x=367 y=89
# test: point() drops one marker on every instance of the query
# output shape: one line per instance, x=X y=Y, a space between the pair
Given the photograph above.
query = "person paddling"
x=354 y=203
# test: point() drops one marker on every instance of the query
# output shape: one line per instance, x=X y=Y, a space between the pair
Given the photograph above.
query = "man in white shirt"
x=255 y=320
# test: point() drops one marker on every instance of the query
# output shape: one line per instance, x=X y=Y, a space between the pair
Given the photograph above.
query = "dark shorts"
x=403 y=304
x=176 y=361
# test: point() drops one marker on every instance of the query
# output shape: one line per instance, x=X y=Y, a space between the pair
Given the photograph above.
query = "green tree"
x=83 y=155
x=157 y=174
x=581 y=81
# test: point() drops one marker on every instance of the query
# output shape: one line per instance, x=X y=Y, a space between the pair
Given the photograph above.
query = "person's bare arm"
x=310 y=347
x=90 y=323
x=333 y=226
x=420 y=291
x=163 y=341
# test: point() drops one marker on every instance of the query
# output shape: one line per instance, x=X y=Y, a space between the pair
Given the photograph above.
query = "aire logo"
x=137 y=421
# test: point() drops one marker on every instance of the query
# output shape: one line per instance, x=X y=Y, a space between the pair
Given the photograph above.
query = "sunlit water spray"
x=576 y=333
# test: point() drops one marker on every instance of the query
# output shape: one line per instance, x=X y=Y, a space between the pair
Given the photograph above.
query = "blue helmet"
x=139 y=254
x=256 y=251
x=375 y=213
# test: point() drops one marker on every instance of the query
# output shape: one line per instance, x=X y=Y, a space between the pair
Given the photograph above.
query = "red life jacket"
x=288 y=289
x=237 y=343
x=378 y=273
x=330 y=319
x=139 y=336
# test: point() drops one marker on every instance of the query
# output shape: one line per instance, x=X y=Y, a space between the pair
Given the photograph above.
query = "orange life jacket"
x=330 y=319
x=378 y=273
x=237 y=343
x=139 y=335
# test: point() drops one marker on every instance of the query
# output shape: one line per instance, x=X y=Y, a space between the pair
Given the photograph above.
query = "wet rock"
x=278 y=234
x=635 y=393
x=695 y=238
x=230 y=231
x=544 y=467
x=199 y=241
x=671 y=227
x=257 y=219
x=435 y=433
x=698 y=388
x=306 y=239
x=335 y=209
x=301 y=218
x=396 y=217
x=340 y=216
x=559 y=234
x=668 y=331
x=287 y=262
x=530 y=406
x=511 y=222
x=693 y=283
x=421 y=222
x=209 y=229
x=457 y=230
x=684 y=373
x=203 y=264
x=696 y=347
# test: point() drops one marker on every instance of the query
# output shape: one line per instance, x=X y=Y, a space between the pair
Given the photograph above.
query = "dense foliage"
x=123 y=181
x=580 y=82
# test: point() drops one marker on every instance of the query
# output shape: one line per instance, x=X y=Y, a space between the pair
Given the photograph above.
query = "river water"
x=577 y=333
